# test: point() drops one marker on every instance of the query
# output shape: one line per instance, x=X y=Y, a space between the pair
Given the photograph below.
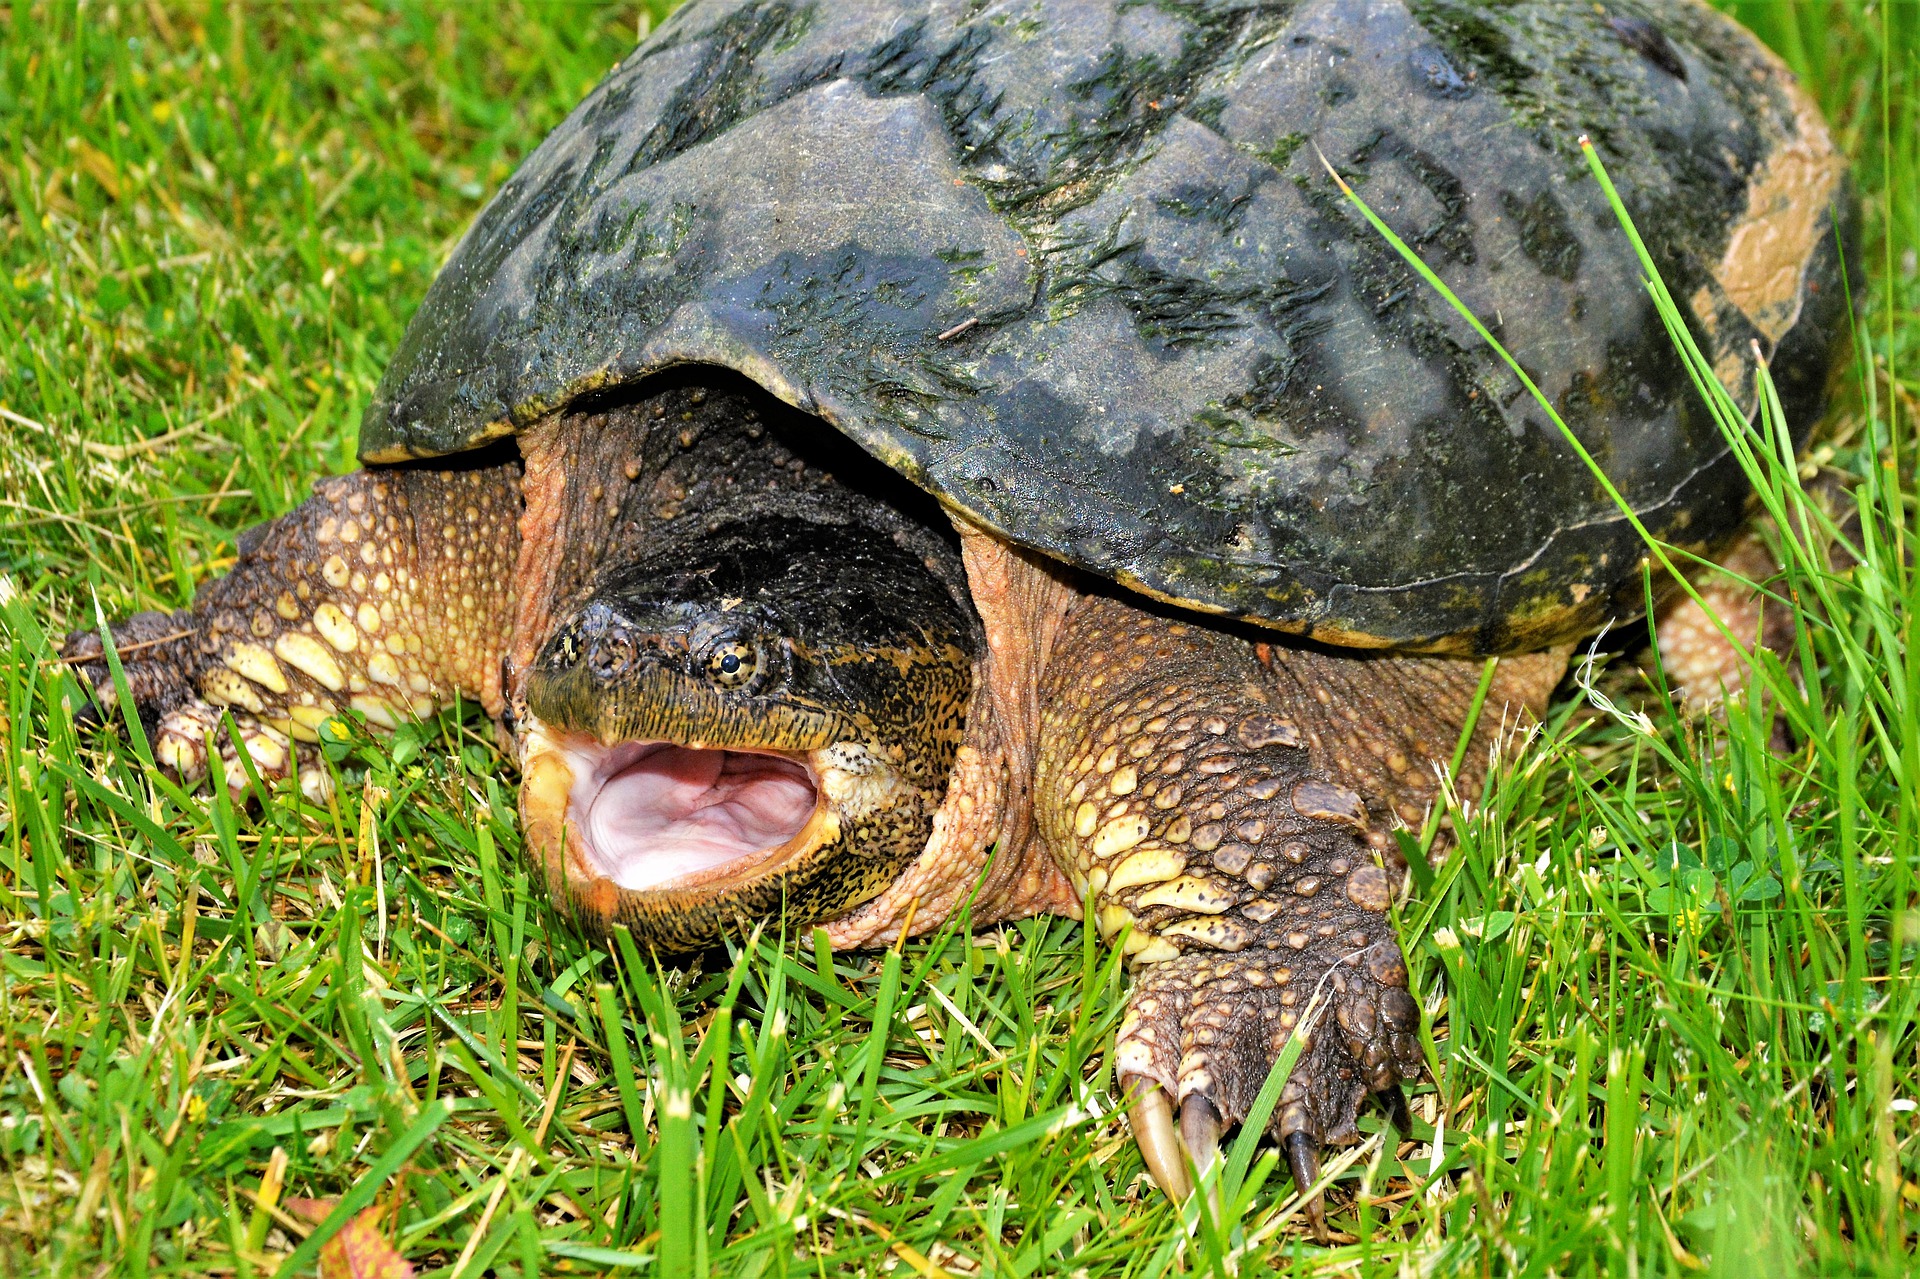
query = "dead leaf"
x=359 y=1250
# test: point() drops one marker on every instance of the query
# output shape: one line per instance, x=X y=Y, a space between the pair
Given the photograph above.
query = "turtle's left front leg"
x=1228 y=805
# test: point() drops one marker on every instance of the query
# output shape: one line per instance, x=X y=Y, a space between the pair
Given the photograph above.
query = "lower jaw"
x=677 y=915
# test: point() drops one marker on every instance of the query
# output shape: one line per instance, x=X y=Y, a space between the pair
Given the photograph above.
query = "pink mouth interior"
x=651 y=812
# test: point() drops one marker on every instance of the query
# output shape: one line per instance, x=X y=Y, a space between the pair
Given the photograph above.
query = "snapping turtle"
x=950 y=450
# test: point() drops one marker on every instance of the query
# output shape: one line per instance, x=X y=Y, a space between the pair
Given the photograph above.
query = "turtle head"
x=757 y=718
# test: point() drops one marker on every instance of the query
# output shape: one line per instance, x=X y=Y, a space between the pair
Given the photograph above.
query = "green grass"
x=1670 y=973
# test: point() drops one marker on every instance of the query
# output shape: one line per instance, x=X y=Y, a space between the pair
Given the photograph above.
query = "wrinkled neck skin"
x=743 y=704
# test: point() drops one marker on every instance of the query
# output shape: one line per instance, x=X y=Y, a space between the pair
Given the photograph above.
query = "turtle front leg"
x=387 y=593
x=1227 y=804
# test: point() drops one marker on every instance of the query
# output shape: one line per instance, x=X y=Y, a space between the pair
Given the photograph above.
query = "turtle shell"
x=1079 y=268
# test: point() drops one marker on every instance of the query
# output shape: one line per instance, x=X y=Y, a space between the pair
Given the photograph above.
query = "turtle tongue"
x=653 y=812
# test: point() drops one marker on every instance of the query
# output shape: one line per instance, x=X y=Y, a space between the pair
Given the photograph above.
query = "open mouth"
x=649 y=814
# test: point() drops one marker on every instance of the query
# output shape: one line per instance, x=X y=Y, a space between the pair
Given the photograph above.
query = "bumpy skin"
x=856 y=651
x=387 y=594
x=1227 y=802
x=1081 y=272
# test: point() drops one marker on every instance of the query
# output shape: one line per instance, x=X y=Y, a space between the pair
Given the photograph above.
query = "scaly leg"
x=1227 y=802
x=387 y=593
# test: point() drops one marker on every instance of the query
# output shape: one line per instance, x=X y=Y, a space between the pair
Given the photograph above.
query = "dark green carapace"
x=1079 y=270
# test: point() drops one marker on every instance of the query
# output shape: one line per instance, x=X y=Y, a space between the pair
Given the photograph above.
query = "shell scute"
x=1080 y=271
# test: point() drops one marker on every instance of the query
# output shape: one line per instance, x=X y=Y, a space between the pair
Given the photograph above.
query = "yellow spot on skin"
x=349 y=531
x=382 y=669
x=1084 y=819
x=1108 y=758
x=1123 y=781
x=269 y=756
x=307 y=721
x=329 y=529
x=334 y=571
x=1181 y=830
x=376 y=710
x=1113 y=918
x=1147 y=949
x=257 y=664
x=357 y=583
x=1148 y=866
x=303 y=653
x=287 y=607
x=263 y=625
x=1118 y=835
x=1186 y=893
x=225 y=688
x=382 y=583
x=1221 y=934
x=335 y=629
x=369 y=618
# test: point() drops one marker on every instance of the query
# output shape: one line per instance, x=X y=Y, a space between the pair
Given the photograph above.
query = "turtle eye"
x=731 y=662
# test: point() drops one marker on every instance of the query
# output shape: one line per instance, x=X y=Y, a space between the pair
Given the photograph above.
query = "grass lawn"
x=1669 y=971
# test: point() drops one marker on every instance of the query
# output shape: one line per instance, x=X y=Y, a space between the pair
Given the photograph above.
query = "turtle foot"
x=158 y=658
x=181 y=739
x=1202 y=1033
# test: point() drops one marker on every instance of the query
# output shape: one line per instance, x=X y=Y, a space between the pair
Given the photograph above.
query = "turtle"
x=878 y=459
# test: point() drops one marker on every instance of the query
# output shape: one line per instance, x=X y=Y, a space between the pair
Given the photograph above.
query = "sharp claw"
x=1394 y=1102
x=1151 y=1118
x=1303 y=1156
x=1200 y=1129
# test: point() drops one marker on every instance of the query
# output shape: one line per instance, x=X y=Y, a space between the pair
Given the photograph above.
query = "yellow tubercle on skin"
x=257 y=664
x=1112 y=918
x=1148 y=866
x=224 y=688
x=377 y=710
x=307 y=721
x=1220 y=934
x=1148 y=949
x=335 y=629
x=1118 y=835
x=1186 y=893
x=304 y=654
